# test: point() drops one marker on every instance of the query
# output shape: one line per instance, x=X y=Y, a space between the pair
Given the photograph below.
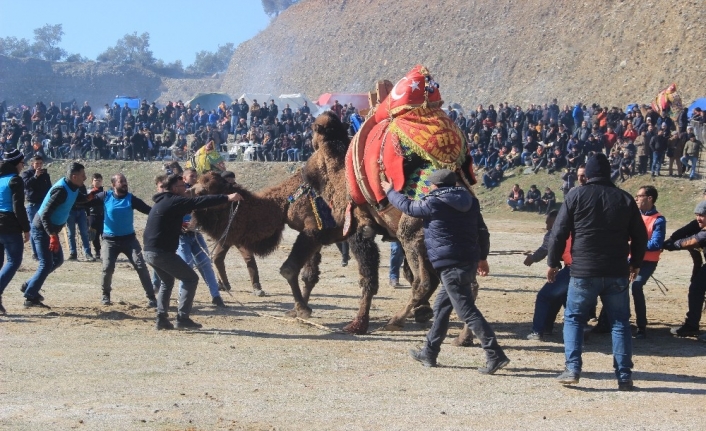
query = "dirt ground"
x=81 y=365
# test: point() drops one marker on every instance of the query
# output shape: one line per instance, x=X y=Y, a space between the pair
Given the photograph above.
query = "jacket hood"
x=457 y=198
x=160 y=196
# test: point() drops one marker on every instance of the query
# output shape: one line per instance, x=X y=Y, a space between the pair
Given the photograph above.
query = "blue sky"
x=178 y=28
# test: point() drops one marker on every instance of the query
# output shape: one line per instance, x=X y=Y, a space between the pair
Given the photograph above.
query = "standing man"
x=45 y=228
x=14 y=225
x=161 y=239
x=692 y=237
x=396 y=259
x=457 y=249
x=605 y=224
x=656 y=226
x=36 y=184
x=118 y=207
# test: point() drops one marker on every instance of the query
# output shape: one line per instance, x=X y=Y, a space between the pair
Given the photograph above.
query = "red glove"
x=92 y=194
x=54 y=244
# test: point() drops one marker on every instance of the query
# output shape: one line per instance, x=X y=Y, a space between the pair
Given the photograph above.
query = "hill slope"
x=488 y=51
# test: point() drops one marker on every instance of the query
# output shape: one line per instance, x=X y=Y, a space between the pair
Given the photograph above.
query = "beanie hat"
x=443 y=178
x=598 y=166
x=13 y=157
x=700 y=208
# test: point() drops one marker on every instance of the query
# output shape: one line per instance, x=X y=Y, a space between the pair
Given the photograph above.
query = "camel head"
x=330 y=132
x=213 y=184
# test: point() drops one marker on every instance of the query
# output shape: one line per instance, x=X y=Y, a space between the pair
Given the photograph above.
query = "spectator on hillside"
x=532 y=198
x=493 y=177
x=546 y=203
x=690 y=155
x=516 y=198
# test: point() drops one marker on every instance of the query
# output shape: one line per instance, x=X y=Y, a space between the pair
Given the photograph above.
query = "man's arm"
x=695 y=241
x=658 y=233
x=57 y=197
x=638 y=236
x=18 y=197
x=140 y=205
x=412 y=208
x=563 y=225
x=692 y=228
x=483 y=238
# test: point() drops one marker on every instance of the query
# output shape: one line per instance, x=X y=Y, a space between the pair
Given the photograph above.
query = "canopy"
x=699 y=103
x=630 y=106
x=260 y=97
x=132 y=102
x=359 y=101
x=295 y=101
x=209 y=101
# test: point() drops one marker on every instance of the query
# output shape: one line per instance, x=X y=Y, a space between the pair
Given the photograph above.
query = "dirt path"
x=84 y=366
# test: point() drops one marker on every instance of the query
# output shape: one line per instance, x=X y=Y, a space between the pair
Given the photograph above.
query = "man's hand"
x=54 y=244
x=483 y=268
x=669 y=245
x=551 y=274
x=633 y=273
x=233 y=197
x=25 y=236
x=386 y=185
x=92 y=194
x=528 y=261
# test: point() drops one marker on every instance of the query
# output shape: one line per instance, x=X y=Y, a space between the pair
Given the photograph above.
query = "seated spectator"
x=516 y=198
x=574 y=159
x=532 y=198
x=627 y=165
x=539 y=158
x=556 y=160
x=546 y=203
x=514 y=158
x=493 y=177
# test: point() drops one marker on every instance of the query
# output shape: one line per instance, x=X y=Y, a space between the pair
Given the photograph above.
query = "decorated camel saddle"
x=405 y=138
x=668 y=100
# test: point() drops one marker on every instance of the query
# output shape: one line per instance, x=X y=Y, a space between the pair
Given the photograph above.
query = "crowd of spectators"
x=259 y=132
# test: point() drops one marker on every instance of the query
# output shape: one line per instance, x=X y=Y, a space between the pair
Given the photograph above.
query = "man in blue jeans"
x=457 y=248
x=605 y=224
x=14 y=225
x=79 y=218
x=47 y=224
x=396 y=259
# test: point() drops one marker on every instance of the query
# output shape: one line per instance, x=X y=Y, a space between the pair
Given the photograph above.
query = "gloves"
x=669 y=245
x=54 y=244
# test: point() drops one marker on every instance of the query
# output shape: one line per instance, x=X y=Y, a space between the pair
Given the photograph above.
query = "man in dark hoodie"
x=457 y=244
x=14 y=224
x=161 y=239
x=605 y=224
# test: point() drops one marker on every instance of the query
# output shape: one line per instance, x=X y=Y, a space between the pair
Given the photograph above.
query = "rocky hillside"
x=610 y=51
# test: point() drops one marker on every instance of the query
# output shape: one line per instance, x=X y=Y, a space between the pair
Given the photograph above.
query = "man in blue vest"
x=47 y=224
x=119 y=235
x=14 y=224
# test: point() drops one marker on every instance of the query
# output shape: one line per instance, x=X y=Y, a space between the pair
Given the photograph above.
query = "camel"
x=260 y=219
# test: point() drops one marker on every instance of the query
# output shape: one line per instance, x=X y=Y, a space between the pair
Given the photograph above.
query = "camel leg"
x=310 y=275
x=304 y=248
x=367 y=253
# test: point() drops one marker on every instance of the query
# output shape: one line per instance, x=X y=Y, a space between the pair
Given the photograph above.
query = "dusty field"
x=84 y=366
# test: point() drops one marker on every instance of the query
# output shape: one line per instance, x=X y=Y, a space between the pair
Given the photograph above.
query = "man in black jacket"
x=605 y=224
x=457 y=244
x=161 y=239
x=37 y=184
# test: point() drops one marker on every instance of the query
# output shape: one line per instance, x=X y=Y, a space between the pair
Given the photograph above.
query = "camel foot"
x=358 y=326
x=392 y=327
x=303 y=311
x=462 y=341
x=423 y=314
x=291 y=313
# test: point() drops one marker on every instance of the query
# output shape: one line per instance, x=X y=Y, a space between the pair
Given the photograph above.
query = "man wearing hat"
x=605 y=224
x=14 y=224
x=690 y=155
x=692 y=237
x=457 y=242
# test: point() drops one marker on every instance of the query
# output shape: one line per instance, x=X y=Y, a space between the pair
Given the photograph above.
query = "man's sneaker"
x=492 y=366
x=641 y=334
x=394 y=283
x=685 y=331
x=535 y=336
x=218 y=302
x=90 y=258
x=72 y=257
x=2 y=309
x=186 y=323
x=257 y=290
x=568 y=377
x=420 y=355
x=163 y=322
x=152 y=302
x=106 y=300
x=626 y=385
x=223 y=287
x=36 y=302
x=344 y=262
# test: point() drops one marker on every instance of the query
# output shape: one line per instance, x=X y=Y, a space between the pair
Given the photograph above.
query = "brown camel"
x=260 y=218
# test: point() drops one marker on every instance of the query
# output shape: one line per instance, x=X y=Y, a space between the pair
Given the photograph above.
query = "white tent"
x=260 y=97
x=295 y=100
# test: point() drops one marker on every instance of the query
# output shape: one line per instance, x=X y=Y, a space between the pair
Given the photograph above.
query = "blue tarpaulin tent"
x=132 y=102
x=699 y=103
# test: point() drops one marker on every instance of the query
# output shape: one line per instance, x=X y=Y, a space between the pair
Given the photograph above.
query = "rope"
x=233 y=212
x=662 y=287
x=507 y=252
